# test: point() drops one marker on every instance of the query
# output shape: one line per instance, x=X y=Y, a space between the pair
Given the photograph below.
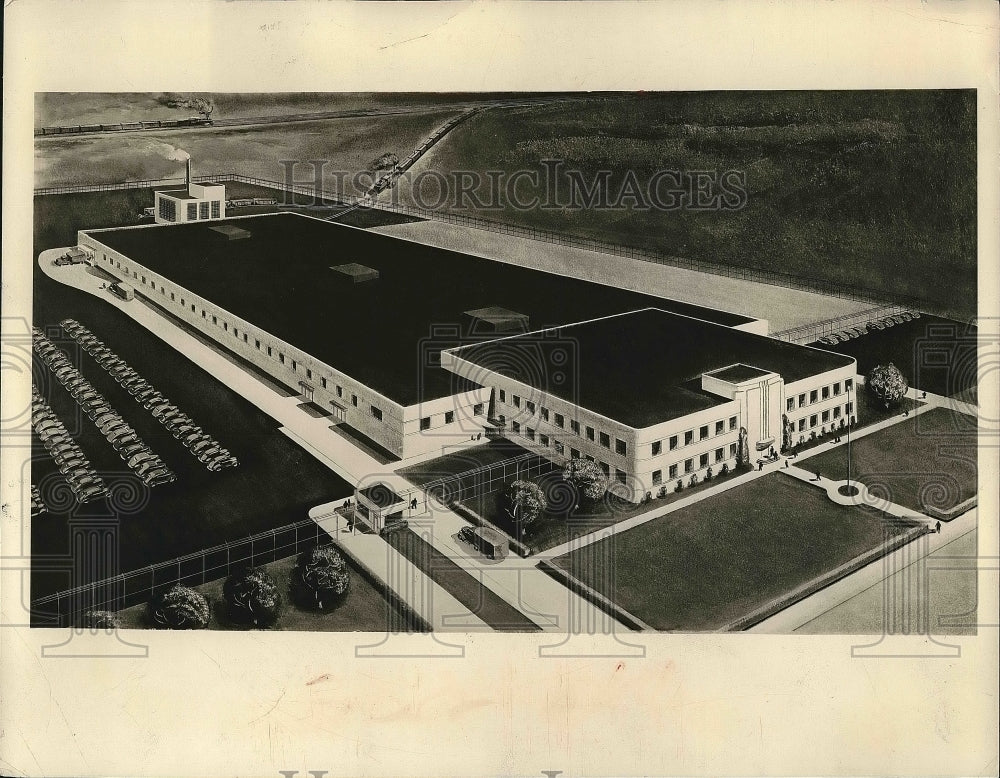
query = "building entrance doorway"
x=307 y=391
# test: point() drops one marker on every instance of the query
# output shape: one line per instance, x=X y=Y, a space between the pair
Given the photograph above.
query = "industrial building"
x=656 y=397
x=355 y=323
x=195 y=202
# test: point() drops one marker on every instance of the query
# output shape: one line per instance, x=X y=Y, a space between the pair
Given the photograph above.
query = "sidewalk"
x=517 y=581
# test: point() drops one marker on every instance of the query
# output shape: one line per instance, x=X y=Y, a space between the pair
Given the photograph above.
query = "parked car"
x=144 y=393
x=130 y=450
x=91 y=493
x=159 y=477
x=138 y=459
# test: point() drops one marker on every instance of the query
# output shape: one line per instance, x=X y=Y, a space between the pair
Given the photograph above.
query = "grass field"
x=934 y=354
x=702 y=566
x=347 y=145
x=363 y=610
x=928 y=458
x=846 y=187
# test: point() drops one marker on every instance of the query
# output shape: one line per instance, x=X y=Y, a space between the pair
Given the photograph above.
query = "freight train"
x=191 y=121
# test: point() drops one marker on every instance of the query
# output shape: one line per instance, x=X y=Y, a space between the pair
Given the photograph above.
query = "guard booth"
x=378 y=506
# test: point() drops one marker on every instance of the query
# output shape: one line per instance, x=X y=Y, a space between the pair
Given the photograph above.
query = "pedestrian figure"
x=923 y=396
x=817 y=476
x=479 y=436
x=786 y=464
x=938 y=527
x=760 y=465
x=906 y=412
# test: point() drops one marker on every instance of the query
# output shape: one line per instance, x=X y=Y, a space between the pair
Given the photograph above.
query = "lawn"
x=935 y=355
x=929 y=458
x=363 y=610
x=463 y=586
x=841 y=187
x=702 y=566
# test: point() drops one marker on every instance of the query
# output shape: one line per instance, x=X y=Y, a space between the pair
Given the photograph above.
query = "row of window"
x=674 y=441
x=689 y=467
x=293 y=364
x=449 y=416
x=621 y=447
x=817 y=395
x=826 y=417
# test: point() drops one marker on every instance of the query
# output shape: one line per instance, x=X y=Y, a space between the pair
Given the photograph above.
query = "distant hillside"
x=872 y=190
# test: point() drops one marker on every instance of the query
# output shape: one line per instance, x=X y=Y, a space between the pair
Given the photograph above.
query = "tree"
x=180 y=608
x=887 y=384
x=97 y=619
x=587 y=477
x=252 y=597
x=786 y=433
x=742 y=449
x=527 y=501
x=320 y=577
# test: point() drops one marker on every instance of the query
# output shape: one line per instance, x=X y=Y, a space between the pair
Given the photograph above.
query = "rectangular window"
x=657 y=477
x=203 y=314
x=703 y=460
x=449 y=417
x=605 y=440
x=719 y=455
x=477 y=409
x=732 y=450
x=425 y=423
x=836 y=389
x=322 y=382
x=848 y=384
x=168 y=210
x=826 y=416
x=605 y=468
x=516 y=426
x=225 y=326
x=216 y=209
x=826 y=392
x=560 y=449
x=215 y=320
x=703 y=432
x=530 y=406
x=574 y=427
x=849 y=407
x=244 y=337
x=517 y=400
x=529 y=433
x=590 y=433
x=720 y=427
x=802 y=399
x=281 y=358
x=688 y=465
x=813 y=396
x=620 y=447
x=802 y=424
x=502 y=419
x=620 y=475
x=340 y=389
x=309 y=373
x=673 y=442
x=503 y=396
x=657 y=447
x=295 y=365
x=812 y=420
x=790 y=405
x=203 y=210
x=376 y=413
x=559 y=419
x=545 y=413
x=354 y=400
x=688 y=437
x=172 y=298
x=574 y=453
x=673 y=471
x=836 y=412
x=269 y=351
x=192 y=212
x=543 y=439
x=732 y=422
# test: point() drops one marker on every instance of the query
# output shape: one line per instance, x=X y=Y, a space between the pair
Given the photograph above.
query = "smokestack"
x=188 y=168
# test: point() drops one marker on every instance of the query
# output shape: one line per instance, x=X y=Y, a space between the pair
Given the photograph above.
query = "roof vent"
x=357 y=273
x=494 y=319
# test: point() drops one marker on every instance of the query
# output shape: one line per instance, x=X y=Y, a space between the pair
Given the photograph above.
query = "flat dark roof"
x=386 y=334
x=736 y=374
x=641 y=368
